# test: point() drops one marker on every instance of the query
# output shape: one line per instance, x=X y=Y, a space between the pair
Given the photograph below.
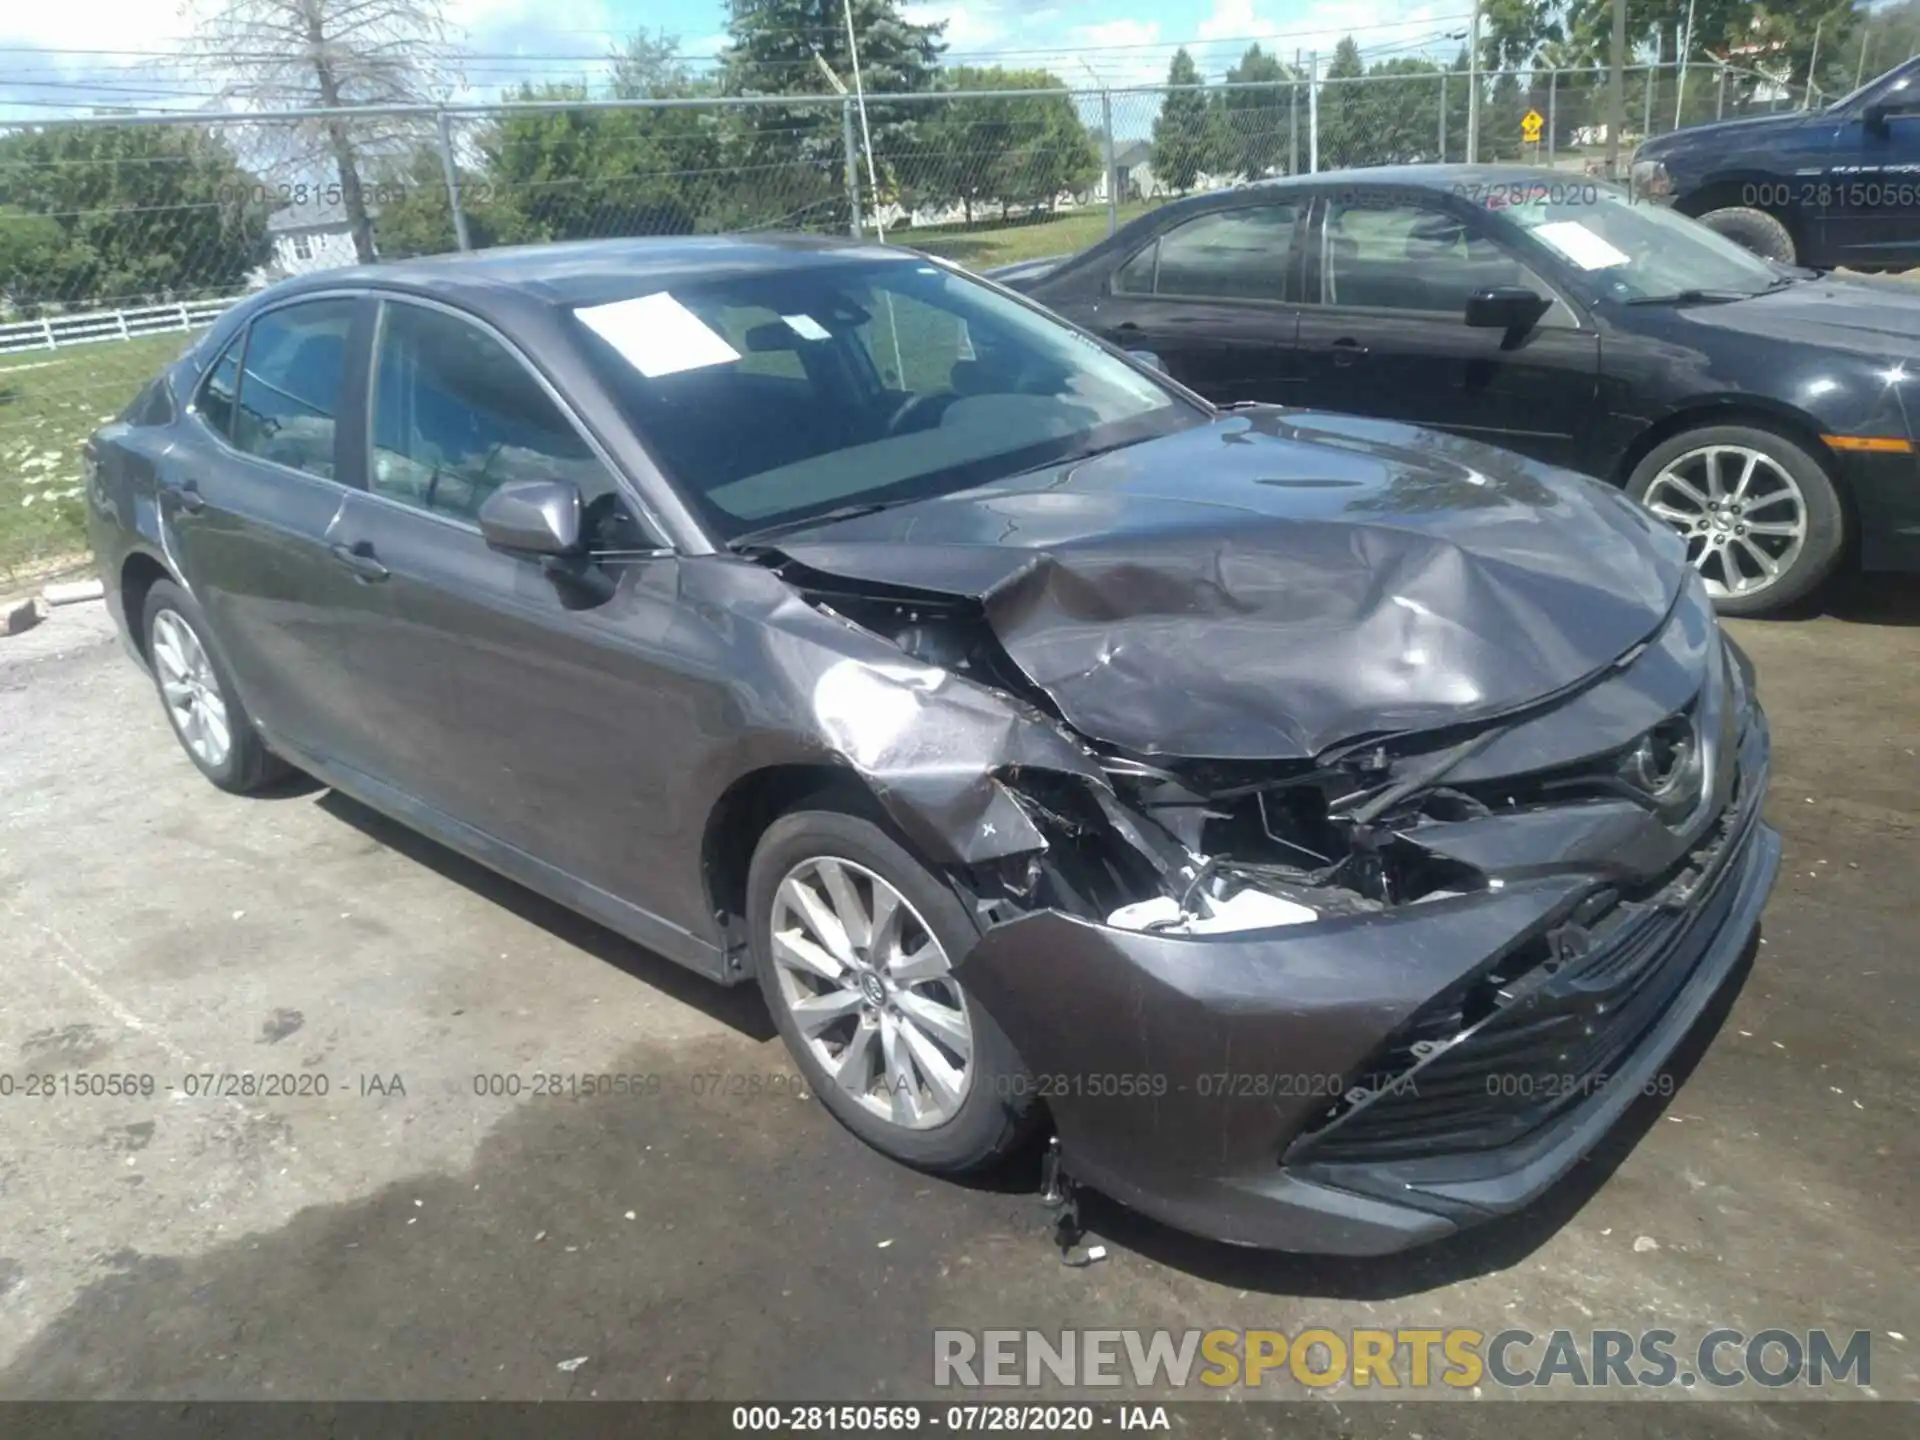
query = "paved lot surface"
x=721 y=1236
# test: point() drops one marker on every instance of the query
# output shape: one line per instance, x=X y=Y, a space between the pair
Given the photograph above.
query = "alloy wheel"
x=1742 y=515
x=190 y=690
x=871 y=992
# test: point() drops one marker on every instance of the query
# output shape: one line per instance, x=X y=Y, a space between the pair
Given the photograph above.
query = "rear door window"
x=214 y=403
x=1236 y=254
x=292 y=371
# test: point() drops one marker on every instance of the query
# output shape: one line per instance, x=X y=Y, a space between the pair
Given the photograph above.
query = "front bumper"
x=1278 y=1089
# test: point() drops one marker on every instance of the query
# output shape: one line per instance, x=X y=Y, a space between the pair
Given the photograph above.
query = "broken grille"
x=1477 y=1072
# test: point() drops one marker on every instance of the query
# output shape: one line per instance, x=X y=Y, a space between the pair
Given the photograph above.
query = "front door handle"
x=359 y=558
x=1346 y=350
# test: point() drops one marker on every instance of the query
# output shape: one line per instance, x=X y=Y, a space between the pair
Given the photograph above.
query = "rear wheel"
x=199 y=698
x=854 y=943
x=1760 y=516
x=1756 y=230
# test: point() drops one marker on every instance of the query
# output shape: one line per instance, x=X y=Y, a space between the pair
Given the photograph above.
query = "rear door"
x=248 y=501
x=1391 y=274
x=1215 y=298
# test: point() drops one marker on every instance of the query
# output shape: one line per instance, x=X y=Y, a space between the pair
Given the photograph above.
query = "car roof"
x=1438 y=178
x=589 y=272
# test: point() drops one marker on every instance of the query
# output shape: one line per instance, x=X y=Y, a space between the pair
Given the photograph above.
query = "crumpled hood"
x=1274 y=582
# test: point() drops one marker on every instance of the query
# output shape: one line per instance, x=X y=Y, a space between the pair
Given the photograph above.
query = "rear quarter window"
x=152 y=406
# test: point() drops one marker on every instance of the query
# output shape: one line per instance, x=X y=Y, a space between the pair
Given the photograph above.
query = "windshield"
x=769 y=398
x=1630 y=251
x=1908 y=73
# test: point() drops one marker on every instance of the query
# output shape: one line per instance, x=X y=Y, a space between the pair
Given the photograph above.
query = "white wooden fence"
x=55 y=332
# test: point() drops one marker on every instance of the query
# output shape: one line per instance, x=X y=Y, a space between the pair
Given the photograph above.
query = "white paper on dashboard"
x=806 y=327
x=1580 y=245
x=657 y=335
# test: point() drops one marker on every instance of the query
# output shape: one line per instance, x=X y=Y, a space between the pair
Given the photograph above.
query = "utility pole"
x=1813 y=61
x=1616 y=89
x=1866 y=48
x=1293 y=117
x=1473 y=87
x=866 y=136
x=1313 y=112
x=849 y=150
x=1686 y=44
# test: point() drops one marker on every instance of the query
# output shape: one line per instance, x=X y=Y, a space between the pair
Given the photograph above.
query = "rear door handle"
x=1346 y=350
x=359 y=558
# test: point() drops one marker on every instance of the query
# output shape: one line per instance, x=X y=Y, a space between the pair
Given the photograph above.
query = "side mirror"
x=1874 y=120
x=533 y=517
x=1149 y=359
x=1512 y=308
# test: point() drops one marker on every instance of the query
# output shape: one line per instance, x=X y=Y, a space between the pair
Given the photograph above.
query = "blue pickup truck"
x=1821 y=188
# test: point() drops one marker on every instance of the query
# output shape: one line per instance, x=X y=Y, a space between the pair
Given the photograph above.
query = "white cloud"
x=1382 y=28
x=1117 y=32
x=95 y=25
x=970 y=28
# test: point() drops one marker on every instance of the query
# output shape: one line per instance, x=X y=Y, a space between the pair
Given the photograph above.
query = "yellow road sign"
x=1530 y=124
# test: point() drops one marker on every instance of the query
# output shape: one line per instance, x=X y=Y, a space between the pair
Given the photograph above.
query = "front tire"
x=199 y=698
x=1763 y=523
x=853 y=943
x=1756 y=230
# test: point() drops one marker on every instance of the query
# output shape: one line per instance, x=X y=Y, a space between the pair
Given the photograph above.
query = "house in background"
x=1133 y=163
x=307 y=238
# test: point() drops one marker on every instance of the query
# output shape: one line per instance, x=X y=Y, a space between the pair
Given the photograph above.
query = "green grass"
x=50 y=401
x=987 y=243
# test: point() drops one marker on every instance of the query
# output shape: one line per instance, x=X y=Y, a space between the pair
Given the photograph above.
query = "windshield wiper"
x=1075 y=457
x=1696 y=297
x=748 y=539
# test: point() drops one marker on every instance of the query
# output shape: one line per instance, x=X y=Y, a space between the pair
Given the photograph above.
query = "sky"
x=71 y=56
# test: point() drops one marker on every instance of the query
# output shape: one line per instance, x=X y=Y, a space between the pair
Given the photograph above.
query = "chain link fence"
x=120 y=236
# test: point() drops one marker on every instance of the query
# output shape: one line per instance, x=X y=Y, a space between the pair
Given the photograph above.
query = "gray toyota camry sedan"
x=1326 y=828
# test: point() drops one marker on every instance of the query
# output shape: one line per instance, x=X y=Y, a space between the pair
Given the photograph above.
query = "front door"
x=527 y=707
x=1388 y=336
x=1211 y=298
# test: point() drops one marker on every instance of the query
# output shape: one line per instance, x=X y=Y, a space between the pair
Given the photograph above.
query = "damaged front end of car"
x=1346 y=1000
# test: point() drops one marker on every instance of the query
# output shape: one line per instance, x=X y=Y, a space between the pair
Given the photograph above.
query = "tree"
x=416 y=213
x=30 y=252
x=1186 y=137
x=998 y=148
x=326 y=54
x=1343 y=110
x=1459 y=88
x=1512 y=32
x=1256 y=125
x=576 y=173
x=1399 y=110
x=116 y=213
x=796 y=152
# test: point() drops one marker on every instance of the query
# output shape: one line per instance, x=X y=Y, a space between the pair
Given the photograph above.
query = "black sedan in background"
x=1766 y=413
x=1328 y=826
